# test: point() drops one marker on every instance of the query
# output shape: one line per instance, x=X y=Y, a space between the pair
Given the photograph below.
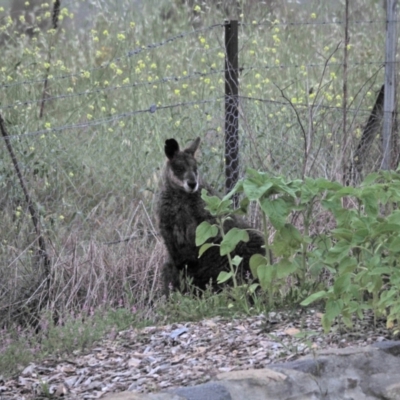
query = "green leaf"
x=326 y=323
x=370 y=202
x=352 y=307
x=394 y=217
x=333 y=308
x=212 y=202
x=291 y=235
x=224 y=276
x=237 y=260
x=285 y=267
x=325 y=184
x=361 y=235
x=204 y=232
x=252 y=173
x=277 y=211
x=231 y=239
x=347 y=321
x=224 y=207
x=370 y=179
x=308 y=191
x=386 y=227
x=342 y=284
x=347 y=264
x=287 y=241
x=340 y=247
x=388 y=297
x=243 y=207
x=237 y=189
x=347 y=191
x=314 y=297
x=205 y=247
x=266 y=274
x=253 y=287
x=374 y=262
x=338 y=252
x=395 y=308
x=380 y=271
x=332 y=204
x=279 y=247
x=394 y=245
x=291 y=188
x=255 y=261
x=255 y=190
x=342 y=233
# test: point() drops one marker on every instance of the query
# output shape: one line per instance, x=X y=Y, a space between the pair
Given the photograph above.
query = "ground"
x=151 y=359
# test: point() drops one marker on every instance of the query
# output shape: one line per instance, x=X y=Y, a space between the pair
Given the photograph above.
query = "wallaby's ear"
x=171 y=148
x=193 y=147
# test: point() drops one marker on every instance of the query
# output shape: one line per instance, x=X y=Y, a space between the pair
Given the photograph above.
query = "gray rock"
x=267 y=384
x=206 y=391
x=311 y=366
x=390 y=346
x=142 y=396
x=368 y=373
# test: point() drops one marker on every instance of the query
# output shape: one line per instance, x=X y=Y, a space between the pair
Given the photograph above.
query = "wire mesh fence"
x=112 y=99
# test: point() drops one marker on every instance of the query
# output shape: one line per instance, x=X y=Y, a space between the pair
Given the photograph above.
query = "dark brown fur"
x=180 y=211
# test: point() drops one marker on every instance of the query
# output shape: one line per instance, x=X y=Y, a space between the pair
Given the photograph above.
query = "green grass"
x=94 y=182
x=73 y=334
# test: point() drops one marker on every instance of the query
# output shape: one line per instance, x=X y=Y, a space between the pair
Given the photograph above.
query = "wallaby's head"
x=182 y=165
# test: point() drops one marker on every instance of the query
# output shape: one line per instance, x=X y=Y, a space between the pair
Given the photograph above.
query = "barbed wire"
x=339 y=22
x=114 y=60
x=314 y=65
x=192 y=75
x=152 y=109
x=195 y=74
x=181 y=36
x=283 y=103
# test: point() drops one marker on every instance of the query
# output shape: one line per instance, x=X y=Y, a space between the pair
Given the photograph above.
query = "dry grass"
x=88 y=274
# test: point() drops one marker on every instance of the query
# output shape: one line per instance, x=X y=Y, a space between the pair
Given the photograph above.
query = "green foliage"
x=221 y=209
x=194 y=306
x=364 y=256
x=360 y=253
x=287 y=254
x=231 y=239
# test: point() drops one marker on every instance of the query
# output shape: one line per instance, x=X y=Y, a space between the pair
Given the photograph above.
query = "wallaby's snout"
x=191 y=184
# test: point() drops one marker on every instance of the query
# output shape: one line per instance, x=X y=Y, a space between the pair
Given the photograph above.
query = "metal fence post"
x=231 y=106
x=390 y=82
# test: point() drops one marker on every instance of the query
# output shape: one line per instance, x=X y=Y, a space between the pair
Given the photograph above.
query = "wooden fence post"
x=231 y=106
x=389 y=103
x=32 y=209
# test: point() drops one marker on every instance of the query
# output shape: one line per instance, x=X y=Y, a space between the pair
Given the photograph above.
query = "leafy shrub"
x=360 y=253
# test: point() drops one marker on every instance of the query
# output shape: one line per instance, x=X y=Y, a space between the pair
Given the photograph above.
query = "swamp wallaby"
x=180 y=211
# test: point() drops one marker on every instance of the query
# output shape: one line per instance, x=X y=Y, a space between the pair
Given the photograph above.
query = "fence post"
x=231 y=106
x=390 y=83
x=32 y=209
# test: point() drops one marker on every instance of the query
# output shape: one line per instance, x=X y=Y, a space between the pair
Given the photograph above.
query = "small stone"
x=28 y=371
